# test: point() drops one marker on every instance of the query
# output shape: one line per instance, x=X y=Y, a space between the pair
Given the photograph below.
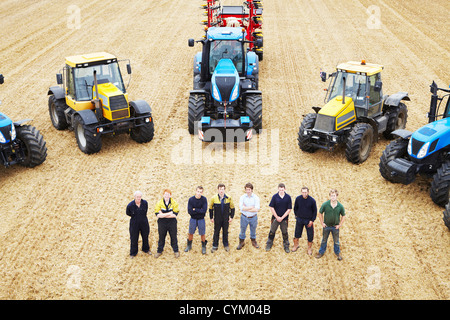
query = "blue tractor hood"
x=430 y=138
x=225 y=82
x=7 y=129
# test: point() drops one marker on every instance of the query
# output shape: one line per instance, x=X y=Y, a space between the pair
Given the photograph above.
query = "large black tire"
x=440 y=185
x=359 y=143
x=395 y=149
x=446 y=217
x=303 y=141
x=88 y=140
x=35 y=148
x=196 y=110
x=254 y=109
x=56 y=110
x=397 y=119
x=145 y=133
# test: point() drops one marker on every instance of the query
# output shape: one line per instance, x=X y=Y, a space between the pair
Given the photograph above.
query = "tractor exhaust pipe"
x=343 y=90
x=96 y=101
x=433 y=103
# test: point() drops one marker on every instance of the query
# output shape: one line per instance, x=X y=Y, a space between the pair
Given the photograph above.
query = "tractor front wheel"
x=359 y=143
x=397 y=117
x=196 y=109
x=56 y=110
x=145 y=132
x=35 y=148
x=88 y=139
x=303 y=139
x=254 y=109
x=395 y=149
x=440 y=185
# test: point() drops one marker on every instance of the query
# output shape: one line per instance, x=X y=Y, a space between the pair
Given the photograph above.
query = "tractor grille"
x=416 y=145
x=325 y=123
x=120 y=114
x=118 y=102
x=225 y=86
x=6 y=131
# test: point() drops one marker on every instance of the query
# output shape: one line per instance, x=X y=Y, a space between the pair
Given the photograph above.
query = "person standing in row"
x=166 y=211
x=221 y=213
x=249 y=206
x=332 y=216
x=197 y=207
x=137 y=210
x=305 y=210
x=280 y=206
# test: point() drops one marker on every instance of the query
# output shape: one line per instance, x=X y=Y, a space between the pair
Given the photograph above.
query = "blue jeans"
x=335 y=234
x=253 y=222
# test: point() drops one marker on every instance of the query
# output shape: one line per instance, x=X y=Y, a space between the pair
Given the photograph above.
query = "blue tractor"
x=225 y=103
x=425 y=151
x=20 y=143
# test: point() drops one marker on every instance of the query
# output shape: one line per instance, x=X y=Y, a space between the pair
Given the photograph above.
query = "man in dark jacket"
x=305 y=210
x=221 y=213
x=197 y=207
x=137 y=210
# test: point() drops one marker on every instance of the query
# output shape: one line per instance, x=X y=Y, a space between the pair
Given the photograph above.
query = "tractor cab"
x=83 y=72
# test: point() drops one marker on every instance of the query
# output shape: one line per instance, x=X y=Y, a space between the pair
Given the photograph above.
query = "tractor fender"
x=20 y=122
x=252 y=64
x=394 y=99
x=57 y=91
x=88 y=116
x=198 y=92
x=402 y=133
x=253 y=92
x=140 y=107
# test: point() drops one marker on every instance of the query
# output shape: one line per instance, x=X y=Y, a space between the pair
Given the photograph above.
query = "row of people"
x=222 y=211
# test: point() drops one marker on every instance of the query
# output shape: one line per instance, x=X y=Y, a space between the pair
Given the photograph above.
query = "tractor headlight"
x=409 y=149
x=13 y=132
x=216 y=94
x=423 y=151
x=235 y=93
x=2 y=138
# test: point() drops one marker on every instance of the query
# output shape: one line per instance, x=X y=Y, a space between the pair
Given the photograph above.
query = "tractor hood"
x=225 y=82
x=113 y=100
x=7 y=129
x=335 y=115
x=430 y=138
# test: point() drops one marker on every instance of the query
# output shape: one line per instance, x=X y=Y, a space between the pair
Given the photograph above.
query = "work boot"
x=189 y=246
x=319 y=255
x=255 y=244
x=286 y=243
x=286 y=248
x=214 y=249
x=295 y=247
x=204 y=246
x=339 y=257
x=241 y=244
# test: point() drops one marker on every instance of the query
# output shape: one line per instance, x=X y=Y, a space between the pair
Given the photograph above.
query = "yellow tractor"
x=354 y=114
x=91 y=99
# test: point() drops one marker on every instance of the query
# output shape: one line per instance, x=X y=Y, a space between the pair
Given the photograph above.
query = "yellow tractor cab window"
x=106 y=73
x=355 y=87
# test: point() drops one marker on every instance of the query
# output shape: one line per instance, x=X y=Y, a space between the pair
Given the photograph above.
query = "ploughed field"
x=63 y=228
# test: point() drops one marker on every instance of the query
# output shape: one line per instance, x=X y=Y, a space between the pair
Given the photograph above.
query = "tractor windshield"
x=355 y=86
x=226 y=49
x=106 y=73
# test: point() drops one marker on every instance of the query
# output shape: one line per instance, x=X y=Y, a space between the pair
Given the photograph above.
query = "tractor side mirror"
x=323 y=76
x=129 y=68
x=2 y=79
x=59 y=79
x=191 y=42
x=378 y=86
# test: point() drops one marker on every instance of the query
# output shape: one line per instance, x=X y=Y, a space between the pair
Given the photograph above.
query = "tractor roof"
x=360 y=67
x=90 y=59
x=225 y=33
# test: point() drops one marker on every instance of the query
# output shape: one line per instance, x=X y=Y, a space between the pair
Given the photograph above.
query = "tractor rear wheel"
x=359 y=143
x=440 y=185
x=397 y=119
x=144 y=133
x=303 y=140
x=196 y=110
x=446 y=217
x=56 y=110
x=254 y=109
x=35 y=148
x=89 y=141
x=395 y=149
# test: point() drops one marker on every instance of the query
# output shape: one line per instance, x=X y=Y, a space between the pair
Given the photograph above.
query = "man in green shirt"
x=332 y=216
